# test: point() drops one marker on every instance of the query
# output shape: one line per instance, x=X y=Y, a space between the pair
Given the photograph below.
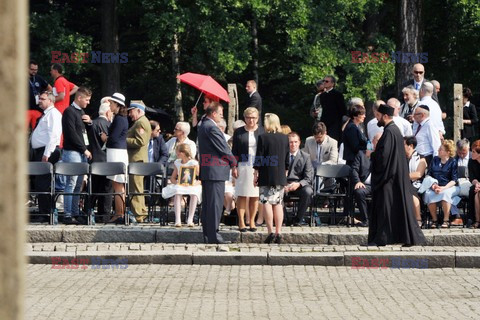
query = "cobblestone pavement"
x=251 y=292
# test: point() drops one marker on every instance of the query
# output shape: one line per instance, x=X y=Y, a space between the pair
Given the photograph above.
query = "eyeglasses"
x=418 y=72
x=251 y=118
x=177 y=129
x=327 y=81
x=417 y=114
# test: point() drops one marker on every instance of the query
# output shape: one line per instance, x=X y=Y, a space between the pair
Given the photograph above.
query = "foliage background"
x=299 y=42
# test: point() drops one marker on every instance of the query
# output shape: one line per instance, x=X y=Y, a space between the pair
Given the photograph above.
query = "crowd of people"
x=252 y=170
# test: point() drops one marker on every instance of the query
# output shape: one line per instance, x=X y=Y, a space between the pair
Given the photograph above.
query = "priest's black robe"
x=393 y=218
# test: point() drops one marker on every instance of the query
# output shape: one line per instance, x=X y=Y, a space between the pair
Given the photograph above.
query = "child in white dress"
x=179 y=188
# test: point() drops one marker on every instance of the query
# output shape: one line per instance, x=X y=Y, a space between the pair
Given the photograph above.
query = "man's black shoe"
x=224 y=242
x=71 y=221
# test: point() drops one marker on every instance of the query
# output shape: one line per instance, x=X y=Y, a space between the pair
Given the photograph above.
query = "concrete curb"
x=356 y=260
x=154 y=234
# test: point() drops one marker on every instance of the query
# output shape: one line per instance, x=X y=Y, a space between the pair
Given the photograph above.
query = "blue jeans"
x=73 y=184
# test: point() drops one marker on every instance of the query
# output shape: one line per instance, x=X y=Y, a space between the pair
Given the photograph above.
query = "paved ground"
x=248 y=292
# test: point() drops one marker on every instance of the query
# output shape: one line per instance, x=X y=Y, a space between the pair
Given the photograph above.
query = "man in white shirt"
x=426 y=92
x=404 y=126
x=45 y=145
x=428 y=139
x=410 y=96
x=372 y=127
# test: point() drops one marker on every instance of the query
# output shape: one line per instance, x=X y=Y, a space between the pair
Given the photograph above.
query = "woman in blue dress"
x=444 y=169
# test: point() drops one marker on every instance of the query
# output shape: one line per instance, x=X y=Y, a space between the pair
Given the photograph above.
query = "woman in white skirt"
x=244 y=149
x=117 y=151
x=443 y=168
x=184 y=182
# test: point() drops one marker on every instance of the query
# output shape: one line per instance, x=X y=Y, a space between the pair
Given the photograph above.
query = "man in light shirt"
x=45 y=144
x=372 y=127
x=428 y=138
x=426 y=92
x=403 y=124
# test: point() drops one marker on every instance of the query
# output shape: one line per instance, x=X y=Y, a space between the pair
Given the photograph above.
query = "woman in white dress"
x=244 y=148
x=117 y=151
x=184 y=184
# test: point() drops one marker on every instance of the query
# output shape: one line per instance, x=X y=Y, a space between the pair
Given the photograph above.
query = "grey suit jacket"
x=301 y=169
x=215 y=156
x=329 y=150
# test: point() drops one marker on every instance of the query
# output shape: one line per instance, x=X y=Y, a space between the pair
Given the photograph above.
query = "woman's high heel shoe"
x=270 y=238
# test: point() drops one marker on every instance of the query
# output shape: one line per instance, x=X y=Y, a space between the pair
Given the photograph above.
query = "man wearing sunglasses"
x=418 y=73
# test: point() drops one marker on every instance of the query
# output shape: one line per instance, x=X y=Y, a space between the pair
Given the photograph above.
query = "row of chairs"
x=155 y=171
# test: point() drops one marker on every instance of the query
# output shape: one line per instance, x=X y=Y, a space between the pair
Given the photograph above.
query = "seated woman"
x=444 y=169
x=184 y=183
x=416 y=167
x=474 y=176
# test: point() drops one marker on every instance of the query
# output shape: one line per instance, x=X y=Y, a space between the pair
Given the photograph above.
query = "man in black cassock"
x=393 y=218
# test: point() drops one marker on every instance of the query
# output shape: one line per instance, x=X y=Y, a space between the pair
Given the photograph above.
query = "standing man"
x=333 y=108
x=426 y=98
x=254 y=98
x=138 y=137
x=36 y=85
x=393 y=217
x=45 y=145
x=101 y=184
x=75 y=149
x=216 y=158
x=300 y=177
x=316 y=109
x=403 y=124
x=410 y=96
x=436 y=85
x=63 y=88
x=428 y=138
x=418 y=74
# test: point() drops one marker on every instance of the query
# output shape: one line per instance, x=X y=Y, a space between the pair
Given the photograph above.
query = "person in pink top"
x=62 y=88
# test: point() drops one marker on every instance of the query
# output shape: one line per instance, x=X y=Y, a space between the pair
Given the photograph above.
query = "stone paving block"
x=350 y=238
x=171 y=257
x=401 y=259
x=230 y=258
x=310 y=258
x=467 y=260
x=132 y=257
x=99 y=234
x=42 y=234
x=458 y=239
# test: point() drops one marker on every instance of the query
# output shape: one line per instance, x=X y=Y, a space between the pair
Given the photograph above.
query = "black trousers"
x=361 y=195
x=212 y=205
x=305 y=194
x=101 y=184
x=42 y=183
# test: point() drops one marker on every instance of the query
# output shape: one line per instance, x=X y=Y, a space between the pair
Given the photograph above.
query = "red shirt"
x=63 y=85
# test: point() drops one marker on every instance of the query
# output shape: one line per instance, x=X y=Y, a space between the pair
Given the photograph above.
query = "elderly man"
x=428 y=137
x=138 y=137
x=436 y=85
x=45 y=144
x=372 y=127
x=75 y=149
x=425 y=94
x=299 y=177
x=410 y=96
x=402 y=124
x=463 y=156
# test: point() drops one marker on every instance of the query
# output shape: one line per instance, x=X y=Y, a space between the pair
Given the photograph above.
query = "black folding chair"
x=73 y=169
x=339 y=191
x=43 y=170
x=105 y=169
x=156 y=174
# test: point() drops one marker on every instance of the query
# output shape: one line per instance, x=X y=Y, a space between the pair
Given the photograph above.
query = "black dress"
x=393 y=218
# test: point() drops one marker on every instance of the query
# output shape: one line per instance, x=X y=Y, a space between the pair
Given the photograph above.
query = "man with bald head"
x=426 y=92
x=418 y=74
x=403 y=124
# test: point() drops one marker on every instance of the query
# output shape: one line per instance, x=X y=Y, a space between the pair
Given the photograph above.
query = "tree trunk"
x=255 y=47
x=176 y=69
x=410 y=36
x=110 y=71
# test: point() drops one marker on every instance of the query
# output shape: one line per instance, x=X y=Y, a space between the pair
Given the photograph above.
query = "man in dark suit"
x=157 y=148
x=333 y=108
x=216 y=158
x=254 y=98
x=418 y=73
x=360 y=181
x=300 y=176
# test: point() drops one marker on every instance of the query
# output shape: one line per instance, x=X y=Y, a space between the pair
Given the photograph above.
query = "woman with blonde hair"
x=244 y=148
x=185 y=184
x=443 y=168
x=271 y=164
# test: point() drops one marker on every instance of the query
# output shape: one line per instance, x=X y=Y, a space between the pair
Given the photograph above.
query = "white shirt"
x=373 y=129
x=428 y=138
x=435 y=112
x=462 y=162
x=404 y=126
x=48 y=131
x=172 y=144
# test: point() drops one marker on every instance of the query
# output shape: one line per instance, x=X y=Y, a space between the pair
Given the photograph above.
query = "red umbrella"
x=206 y=84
